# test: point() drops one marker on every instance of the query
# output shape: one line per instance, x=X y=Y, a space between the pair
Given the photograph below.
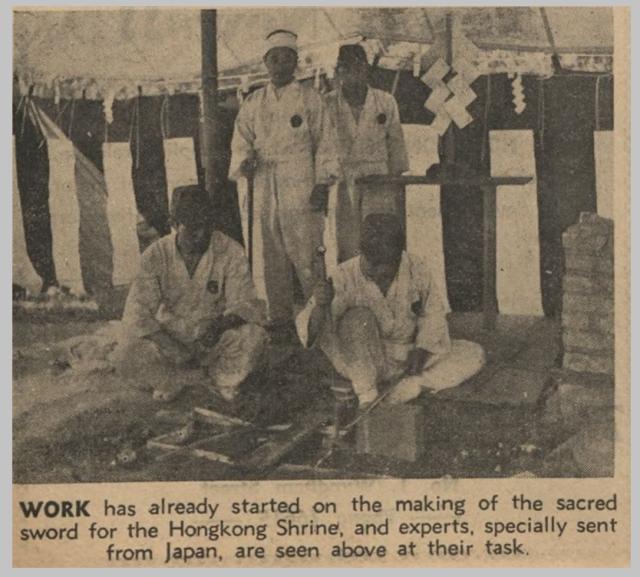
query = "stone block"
x=587 y=340
x=576 y=321
x=590 y=363
x=596 y=221
x=578 y=394
x=588 y=453
x=599 y=304
x=588 y=241
x=578 y=262
x=603 y=323
x=591 y=284
x=395 y=431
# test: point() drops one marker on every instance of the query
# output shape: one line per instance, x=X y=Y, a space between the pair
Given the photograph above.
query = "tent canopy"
x=109 y=53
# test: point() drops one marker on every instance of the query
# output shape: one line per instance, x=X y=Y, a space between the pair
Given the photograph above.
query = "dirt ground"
x=70 y=428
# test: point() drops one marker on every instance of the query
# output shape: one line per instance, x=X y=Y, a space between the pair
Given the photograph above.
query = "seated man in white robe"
x=192 y=315
x=379 y=318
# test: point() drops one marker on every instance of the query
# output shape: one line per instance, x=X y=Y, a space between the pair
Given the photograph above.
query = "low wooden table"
x=489 y=186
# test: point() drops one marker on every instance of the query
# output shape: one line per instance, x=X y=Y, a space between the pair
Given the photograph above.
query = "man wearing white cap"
x=283 y=140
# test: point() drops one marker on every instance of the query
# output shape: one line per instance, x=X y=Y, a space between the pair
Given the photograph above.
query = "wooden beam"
x=478 y=180
x=210 y=142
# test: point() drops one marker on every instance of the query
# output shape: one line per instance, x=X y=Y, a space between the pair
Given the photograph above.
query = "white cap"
x=281 y=39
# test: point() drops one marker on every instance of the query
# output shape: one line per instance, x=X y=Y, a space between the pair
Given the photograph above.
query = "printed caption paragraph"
x=298 y=530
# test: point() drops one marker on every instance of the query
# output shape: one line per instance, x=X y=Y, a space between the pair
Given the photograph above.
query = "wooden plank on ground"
x=214 y=418
x=274 y=451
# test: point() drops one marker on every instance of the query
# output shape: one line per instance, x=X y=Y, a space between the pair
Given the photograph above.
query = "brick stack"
x=587 y=306
x=579 y=411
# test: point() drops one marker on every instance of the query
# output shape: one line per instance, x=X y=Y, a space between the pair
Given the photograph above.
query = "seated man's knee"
x=254 y=335
x=132 y=357
x=471 y=352
x=125 y=355
x=357 y=321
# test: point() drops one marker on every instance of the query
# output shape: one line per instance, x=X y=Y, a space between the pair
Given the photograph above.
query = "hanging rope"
x=547 y=29
x=429 y=24
x=485 y=126
x=555 y=57
x=332 y=23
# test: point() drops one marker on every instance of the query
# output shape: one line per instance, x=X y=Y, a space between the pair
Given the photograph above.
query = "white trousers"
x=357 y=351
x=286 y=237
x=237 y=354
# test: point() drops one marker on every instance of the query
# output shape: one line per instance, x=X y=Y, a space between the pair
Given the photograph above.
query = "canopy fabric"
x=111 y=53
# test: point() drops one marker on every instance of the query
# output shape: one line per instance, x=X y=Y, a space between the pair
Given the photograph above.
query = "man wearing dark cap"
x=192 y=315
x=283 y=142
x=370 y=141
x=380 y=318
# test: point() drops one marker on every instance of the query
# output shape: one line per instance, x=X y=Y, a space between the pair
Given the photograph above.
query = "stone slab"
x=395 y=431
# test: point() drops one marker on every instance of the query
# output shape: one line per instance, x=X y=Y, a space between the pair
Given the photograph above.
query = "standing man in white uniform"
x=283 y=140
x=380 y=318
x=192 y=316
x=370 y=141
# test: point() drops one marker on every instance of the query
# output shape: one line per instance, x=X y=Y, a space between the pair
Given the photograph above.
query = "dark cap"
x=190 y=205
x=382 y=238
x=351 y=54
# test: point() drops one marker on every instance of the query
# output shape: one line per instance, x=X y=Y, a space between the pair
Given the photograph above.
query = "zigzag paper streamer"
x=517 y=89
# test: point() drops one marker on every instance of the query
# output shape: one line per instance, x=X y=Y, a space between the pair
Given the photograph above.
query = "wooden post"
x=489 y=299
x=210 y=142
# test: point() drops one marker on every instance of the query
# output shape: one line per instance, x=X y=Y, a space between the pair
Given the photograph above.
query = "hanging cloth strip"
x=423 y=216
x=604 y=152
x=517 y=229
x=179 y=163
x=82 y=250
x=23 y=272
x=121 y=210
x=179 y=154
x=63 y=203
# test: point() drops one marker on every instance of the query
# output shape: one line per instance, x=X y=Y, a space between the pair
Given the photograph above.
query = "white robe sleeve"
x=240 y=293
x=144 y=298
x=302 y=322
x=324 y=140
x=242 y=140
x=341 y=301
x=397 y=150
x=433 y=330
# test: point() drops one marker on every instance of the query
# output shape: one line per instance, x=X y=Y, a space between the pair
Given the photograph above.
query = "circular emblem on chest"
x=296 y=120
x=417 y=308
x=212 y=286
x=382 y=118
